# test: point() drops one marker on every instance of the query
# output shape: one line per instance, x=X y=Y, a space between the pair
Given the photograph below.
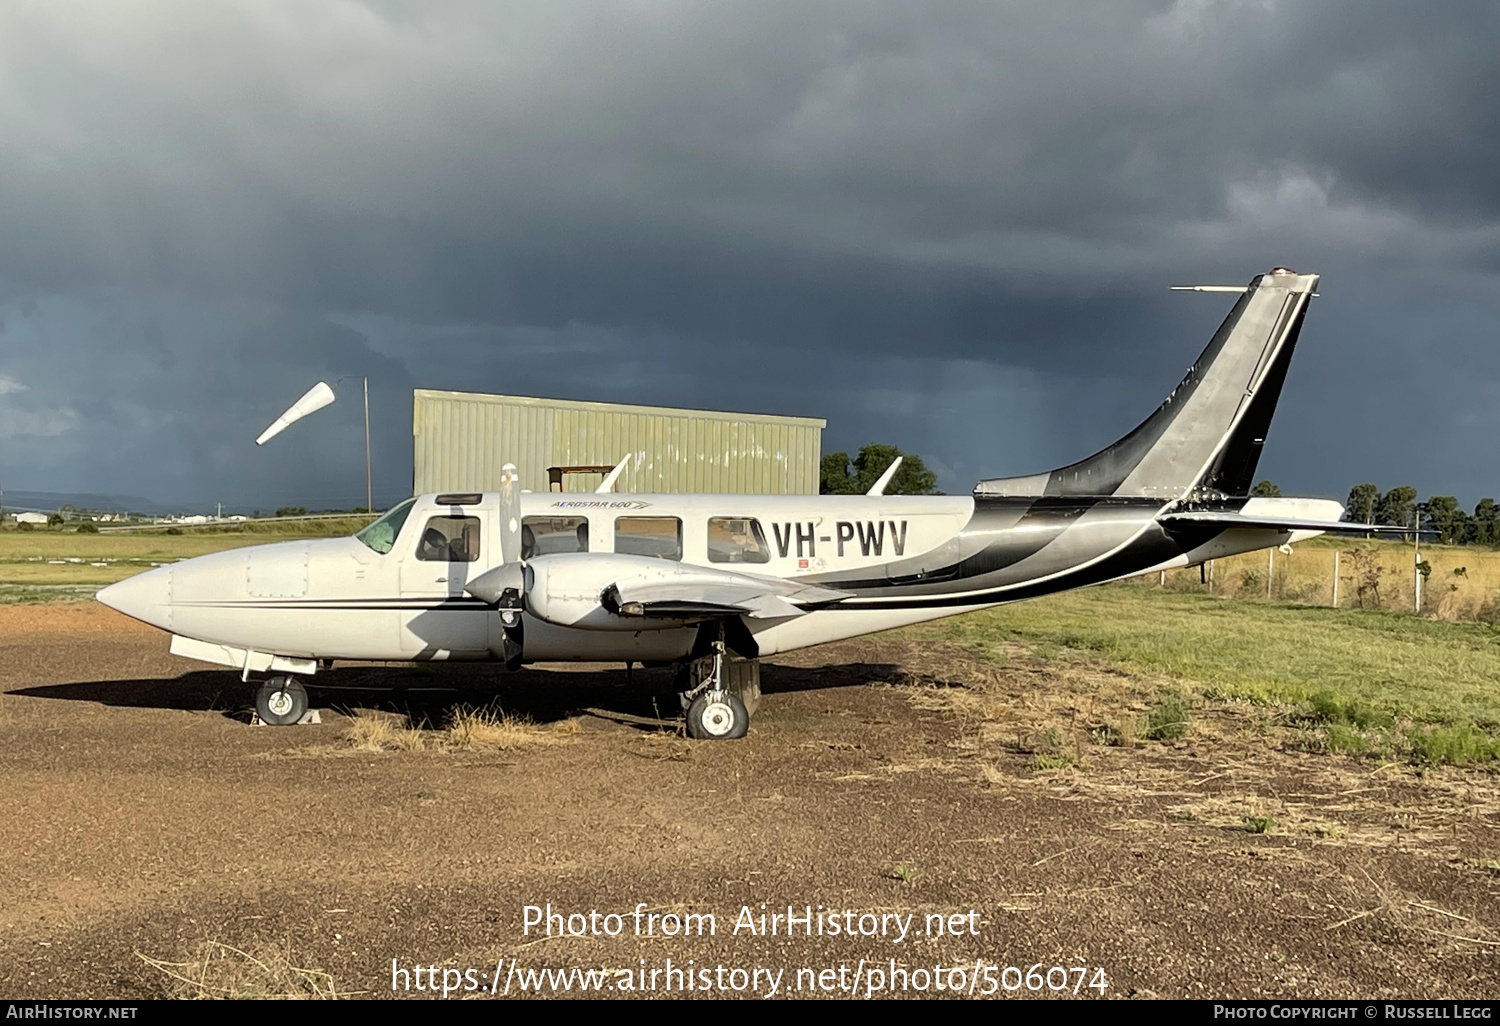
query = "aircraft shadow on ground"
x=427 y=692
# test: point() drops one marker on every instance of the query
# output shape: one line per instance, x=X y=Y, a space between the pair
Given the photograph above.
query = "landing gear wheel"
x=281 y=702
x=717 y=716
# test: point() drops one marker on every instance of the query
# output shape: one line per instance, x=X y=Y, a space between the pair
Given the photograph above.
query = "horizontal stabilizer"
x=1226 y=519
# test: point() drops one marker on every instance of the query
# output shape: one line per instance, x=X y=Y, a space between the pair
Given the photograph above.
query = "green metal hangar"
x=462 y=439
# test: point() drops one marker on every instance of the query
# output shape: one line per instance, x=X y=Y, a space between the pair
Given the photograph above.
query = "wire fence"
x=1461 y=582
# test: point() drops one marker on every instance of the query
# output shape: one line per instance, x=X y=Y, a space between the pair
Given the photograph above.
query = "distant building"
x=31 y=518
x=462 y=439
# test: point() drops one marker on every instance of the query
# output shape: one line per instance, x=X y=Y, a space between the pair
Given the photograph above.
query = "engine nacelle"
x=567 y=589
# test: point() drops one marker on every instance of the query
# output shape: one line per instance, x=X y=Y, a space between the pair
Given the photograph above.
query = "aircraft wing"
x=1263 y=522
x=718 y=594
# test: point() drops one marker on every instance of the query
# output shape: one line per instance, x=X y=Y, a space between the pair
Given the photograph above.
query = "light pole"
x=369 y=494
x=313 y=400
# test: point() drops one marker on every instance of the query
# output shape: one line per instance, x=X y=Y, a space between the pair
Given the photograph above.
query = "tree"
x=1266 y=490
x=1360 y=509
x=1397 y=506
x=834 y=477
x=291 y=511
x=1441 y=514
x=838 y=475
x=1484 y=527
x=1368 y=570
x=54 y=519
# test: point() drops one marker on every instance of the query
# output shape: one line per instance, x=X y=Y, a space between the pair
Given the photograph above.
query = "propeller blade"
x=514 y=645
x=510 y=514
x=504 y=588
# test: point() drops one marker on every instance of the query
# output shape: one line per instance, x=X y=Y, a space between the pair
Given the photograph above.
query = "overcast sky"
x=946 y=226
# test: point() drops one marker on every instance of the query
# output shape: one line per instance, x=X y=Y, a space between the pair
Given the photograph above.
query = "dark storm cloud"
x=949 y=226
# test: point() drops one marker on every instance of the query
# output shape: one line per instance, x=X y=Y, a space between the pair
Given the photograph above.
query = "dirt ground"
x=146 y=829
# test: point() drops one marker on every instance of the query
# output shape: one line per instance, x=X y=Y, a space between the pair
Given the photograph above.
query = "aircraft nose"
x=146 y=597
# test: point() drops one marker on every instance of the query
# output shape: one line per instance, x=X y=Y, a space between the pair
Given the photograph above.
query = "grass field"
x=32 y=562
x=1364 y=681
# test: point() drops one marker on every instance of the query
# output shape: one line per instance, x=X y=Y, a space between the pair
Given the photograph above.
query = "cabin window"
x=649 y=536
x=543 y=536
x=449 y=540
x=737 y=540
x=381 y=535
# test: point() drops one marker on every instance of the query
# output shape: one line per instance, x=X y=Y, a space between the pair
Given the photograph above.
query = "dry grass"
x=1378 y=684
x=1025 y=706
x=666 y=746
x=1463 y=584
x=1407 y=913
x=464 y=729
x=1078 y=729
x=218 y=970
x=381 y=733
x=491 y=728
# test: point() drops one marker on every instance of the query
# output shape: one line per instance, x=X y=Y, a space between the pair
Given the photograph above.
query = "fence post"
x=1270 y=565
x=1416 y=571
x=1335 y=578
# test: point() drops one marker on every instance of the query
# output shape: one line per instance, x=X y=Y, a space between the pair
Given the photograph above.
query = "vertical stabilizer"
x=1207 y=436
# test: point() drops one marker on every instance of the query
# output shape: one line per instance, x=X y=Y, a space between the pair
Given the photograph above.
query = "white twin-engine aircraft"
x=711 y=583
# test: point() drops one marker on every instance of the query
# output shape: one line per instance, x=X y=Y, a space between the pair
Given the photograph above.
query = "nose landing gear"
x=281 y=702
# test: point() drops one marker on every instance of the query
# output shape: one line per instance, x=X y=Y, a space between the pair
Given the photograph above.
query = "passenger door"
x=438 y=619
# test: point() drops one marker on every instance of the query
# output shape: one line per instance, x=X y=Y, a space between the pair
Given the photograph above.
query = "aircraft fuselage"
x=899 y=559
x=637 y=577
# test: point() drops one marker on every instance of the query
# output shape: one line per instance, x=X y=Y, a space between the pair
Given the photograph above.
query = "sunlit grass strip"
x=27 y=594
x=1432 y=671
x=65 y=557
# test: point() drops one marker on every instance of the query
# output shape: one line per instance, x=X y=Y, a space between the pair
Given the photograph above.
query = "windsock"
x=317 y=397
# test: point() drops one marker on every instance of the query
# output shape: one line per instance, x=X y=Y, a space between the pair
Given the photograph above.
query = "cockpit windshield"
x=381 y=535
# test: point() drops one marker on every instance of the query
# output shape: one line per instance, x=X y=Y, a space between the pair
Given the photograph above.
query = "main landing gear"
x=717 y=716
x=718 y=694
x=281 y=702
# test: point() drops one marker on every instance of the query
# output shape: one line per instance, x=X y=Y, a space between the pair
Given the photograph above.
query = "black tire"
x=281 y=702
x=717 y=719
